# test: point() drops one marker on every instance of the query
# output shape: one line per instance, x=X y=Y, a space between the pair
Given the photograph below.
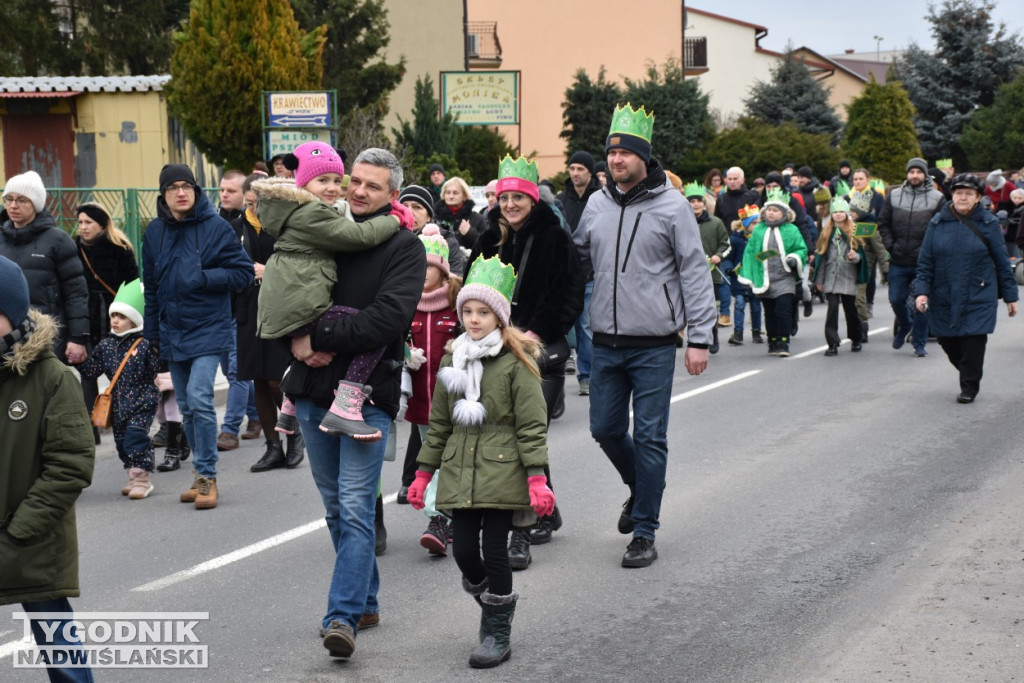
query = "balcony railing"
x=695 y=53
x=482 y=41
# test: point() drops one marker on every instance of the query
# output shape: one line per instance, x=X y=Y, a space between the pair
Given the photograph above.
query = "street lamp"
x=878 y=48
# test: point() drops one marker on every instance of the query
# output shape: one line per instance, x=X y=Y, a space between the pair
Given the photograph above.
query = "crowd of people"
x=337 y=303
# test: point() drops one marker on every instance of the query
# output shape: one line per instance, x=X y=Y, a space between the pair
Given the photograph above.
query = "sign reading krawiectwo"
x=481 y=98
x=299 y=110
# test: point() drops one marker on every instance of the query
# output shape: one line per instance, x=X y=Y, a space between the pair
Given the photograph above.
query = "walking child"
x=311 y=221
x=134 y=396
x=841 y=265
x=772 y=263
x=435 y=324
x=749 y=216
x=489 y=418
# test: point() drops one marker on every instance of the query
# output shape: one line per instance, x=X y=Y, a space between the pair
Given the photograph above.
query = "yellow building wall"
x=549 y=42
x=430 y=36
x=131 y=136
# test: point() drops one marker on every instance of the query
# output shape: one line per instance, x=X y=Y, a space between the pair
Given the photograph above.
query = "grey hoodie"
x=651 y=277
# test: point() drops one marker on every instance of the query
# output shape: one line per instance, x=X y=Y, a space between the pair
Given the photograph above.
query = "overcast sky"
x=833 y=27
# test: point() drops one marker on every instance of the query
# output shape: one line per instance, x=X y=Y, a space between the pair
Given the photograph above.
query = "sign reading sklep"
x=114 y=640
x=481 y=98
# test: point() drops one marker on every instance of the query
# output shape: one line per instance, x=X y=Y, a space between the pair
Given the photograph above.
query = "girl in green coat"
x=488 y=428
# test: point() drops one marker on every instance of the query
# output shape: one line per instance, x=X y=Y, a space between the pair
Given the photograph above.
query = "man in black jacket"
x=384 y=285
x=580 y=184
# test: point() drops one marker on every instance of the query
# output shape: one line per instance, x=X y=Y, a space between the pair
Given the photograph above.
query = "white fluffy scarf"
x=465 y=372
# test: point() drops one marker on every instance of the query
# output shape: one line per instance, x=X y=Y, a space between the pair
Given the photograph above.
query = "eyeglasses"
x=20 y=201
x=179 y=187
x=514 y=197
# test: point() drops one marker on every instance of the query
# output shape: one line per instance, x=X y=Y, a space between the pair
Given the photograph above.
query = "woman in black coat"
x=261 y=360
x=108 y=260
x=526 y=233
x=455 y=213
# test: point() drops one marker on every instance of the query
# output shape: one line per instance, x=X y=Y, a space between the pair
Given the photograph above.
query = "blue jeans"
x=69 y=674
x=900 y=279
x=741 y=299
x=584 y=336
x=724 y=294
x=346 y=472
x=241 y=394
x=193 y=385
x=645 y=374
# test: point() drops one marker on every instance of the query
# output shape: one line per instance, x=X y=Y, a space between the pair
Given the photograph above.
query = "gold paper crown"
x=635 y=122
x=748 y=211
x=491 y=272
x=694 y=189
x=518 y=168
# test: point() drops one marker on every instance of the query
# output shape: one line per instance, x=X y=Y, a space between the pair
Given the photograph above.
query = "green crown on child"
x=491 y=272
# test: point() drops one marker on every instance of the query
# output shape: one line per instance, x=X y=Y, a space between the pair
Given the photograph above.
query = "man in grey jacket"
x=651 y=280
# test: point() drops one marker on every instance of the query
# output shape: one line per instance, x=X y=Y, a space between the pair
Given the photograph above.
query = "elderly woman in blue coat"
x=962 y=272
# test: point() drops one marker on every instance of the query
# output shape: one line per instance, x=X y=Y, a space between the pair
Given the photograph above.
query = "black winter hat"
x=13 y=292
x=805 y=172
x=601 y=167
x=435 y=167
x=420 y=195
x=584 y=159
x=176 y=173
x=774 y=177
x=845 y=163
x=937 y=176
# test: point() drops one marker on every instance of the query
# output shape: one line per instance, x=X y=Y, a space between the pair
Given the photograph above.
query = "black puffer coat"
x=56 y=285
x=550 y=296
x=447 y=220
x=115 y=265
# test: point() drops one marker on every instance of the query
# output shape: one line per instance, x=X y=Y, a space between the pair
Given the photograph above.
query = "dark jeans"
x=477 y=529
x=55 y=674
x=778 y=317
x=643 y=376
x=967 y=354
x=900 y=279
x=409 y=467
x=849 y=304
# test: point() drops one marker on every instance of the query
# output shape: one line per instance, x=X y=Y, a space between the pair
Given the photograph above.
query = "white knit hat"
x=30 y=185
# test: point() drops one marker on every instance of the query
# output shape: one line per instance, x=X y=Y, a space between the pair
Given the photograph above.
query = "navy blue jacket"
x=190 y=269
x=958 y=274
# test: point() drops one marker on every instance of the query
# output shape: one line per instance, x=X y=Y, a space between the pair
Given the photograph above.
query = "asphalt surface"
x=825 y=519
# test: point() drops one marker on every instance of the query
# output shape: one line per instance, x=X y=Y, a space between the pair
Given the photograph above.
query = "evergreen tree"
x=969 y=64
x=587 y=113
x=758 y=148
x=994 y=137
x=794 y=95
x=427 y=133
x=229 y=52
x=32 y=48
x=478 y=149
x=353 y=63
x=682 y=123
x=880 y=131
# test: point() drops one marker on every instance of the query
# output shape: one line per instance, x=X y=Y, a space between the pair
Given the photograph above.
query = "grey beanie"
x=918 y=163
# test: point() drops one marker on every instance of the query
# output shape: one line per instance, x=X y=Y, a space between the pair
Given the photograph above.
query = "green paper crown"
x=944 y=163
x=840 y=204
x=491 y=272
x=635 y=122
x=435 y=245
x=694 y=189
x=878 y=185
x=842 y=188
x=129 y=295
x=777 y=195
x=518 y=168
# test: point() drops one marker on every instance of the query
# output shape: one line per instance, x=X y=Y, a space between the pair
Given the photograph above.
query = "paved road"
x=825 y=519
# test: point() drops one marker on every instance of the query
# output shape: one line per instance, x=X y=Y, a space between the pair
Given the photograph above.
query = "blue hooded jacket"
x=190 y=269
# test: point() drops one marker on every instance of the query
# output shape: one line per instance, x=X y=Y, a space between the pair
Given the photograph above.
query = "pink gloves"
x=403 y=214
x=419 y=487
x=542 y=499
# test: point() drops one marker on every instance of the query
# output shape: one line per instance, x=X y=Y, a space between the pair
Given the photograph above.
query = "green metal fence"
x=131 y=209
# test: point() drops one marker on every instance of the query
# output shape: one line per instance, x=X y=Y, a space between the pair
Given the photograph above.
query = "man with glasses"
x=29 y=236
x=192 y=263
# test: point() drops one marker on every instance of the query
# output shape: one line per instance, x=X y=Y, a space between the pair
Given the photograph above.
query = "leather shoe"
x=403 y=495
x=227 y=441
x=519 y=550
x=640 y=553
x=855 y=347
x=272 y=459
x=295 y=454
x=964 y=398
x=625 y=518
x=558 y=409
x=252 y=430
x=833 y=351
x=541 y=534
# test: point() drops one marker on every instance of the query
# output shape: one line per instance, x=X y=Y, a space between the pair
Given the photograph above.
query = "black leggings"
x=552 y=385
x=468 y=526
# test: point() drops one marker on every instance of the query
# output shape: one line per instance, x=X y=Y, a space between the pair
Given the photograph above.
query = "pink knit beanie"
x=312 y=159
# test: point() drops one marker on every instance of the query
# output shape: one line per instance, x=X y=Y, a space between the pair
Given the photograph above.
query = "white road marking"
x=8 y=649
x=713 y=385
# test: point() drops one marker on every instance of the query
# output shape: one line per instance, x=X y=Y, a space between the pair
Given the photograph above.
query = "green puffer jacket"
x=46 y=459
x=301 y=273
x=486 y=466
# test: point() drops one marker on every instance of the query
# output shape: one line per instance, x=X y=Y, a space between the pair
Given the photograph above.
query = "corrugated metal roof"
x=83 y=84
